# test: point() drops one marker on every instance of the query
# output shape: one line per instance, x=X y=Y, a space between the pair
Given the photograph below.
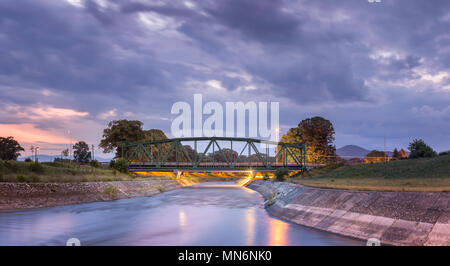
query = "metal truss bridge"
x=217 y=155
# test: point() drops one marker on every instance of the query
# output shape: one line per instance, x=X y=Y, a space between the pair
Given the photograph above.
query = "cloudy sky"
x=370 y=68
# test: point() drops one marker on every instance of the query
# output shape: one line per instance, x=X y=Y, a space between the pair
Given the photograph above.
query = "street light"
x=32 y=151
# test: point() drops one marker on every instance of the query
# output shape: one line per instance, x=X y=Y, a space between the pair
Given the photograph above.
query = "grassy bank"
x=425 y=174
x=12 y=171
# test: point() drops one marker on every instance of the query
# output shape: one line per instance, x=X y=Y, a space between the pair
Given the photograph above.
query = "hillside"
x=351 y=151
x=425 y=174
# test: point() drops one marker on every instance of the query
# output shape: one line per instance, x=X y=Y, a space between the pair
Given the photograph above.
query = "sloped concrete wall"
x=396 y=218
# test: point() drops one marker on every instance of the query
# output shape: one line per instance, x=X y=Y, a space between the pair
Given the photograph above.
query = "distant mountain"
x=352 y=151
x=41 y=158
x=50 y=158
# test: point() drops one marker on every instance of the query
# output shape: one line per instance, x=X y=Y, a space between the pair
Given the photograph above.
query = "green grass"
x=111 y=190
x=425 y=174
x=13 y=171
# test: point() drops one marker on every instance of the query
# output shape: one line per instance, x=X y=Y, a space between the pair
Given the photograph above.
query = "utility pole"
x=385 y=160
x=36 y=155
x=70 y=146
x=93 y=153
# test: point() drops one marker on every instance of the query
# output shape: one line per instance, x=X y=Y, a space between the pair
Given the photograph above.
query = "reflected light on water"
x=182 y=219
x=277 y=233
x=250 y=223
x=40 y=228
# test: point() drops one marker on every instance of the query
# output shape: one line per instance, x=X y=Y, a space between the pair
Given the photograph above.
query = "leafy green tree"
x=81 y=152
x=419 y=149
x=318 y=135
x=119 y=131
x=9 y=148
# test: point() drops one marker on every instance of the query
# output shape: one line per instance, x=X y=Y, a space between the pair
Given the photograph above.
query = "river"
x=219 y=213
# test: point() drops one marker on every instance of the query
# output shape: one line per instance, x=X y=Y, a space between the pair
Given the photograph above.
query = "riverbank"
x=395 y=218
x=421 y=175
x=39 y=195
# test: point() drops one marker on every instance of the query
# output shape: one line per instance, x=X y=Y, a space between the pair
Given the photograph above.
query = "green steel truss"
x=171 y=154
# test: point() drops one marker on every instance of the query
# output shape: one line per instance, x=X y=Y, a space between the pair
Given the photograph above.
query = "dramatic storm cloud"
x=373 y=69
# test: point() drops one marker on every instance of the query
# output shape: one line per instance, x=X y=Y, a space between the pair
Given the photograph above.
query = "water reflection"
x=250 y=224
x=278 y=232
x=209 y=214
x=182 y=219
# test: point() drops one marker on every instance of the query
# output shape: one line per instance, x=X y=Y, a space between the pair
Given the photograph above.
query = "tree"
x=119 y=131
x=94 y=163
x=419 y=149
x=318 y=135
x=9 y=148
x=158 y=151
x=403 y=154
x=442 y=153
x=375 y=157
x=81 y=152
x=121 y=165
x=65 y=152
x=230 y=155
x=396 y=154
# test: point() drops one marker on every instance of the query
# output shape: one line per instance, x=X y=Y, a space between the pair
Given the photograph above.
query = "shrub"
x=36 y=167
x=28 y=160
x=444 y=153
x=94 y=163
x=112 y=163
x=22 y=178
x=266 y=176
x=111 y=190
x=121 y=165
x=10 y=166
x=34 y=178
x=281 y=174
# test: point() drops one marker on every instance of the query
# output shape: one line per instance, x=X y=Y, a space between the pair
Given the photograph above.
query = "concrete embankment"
x=37 y=195
x=395 y=218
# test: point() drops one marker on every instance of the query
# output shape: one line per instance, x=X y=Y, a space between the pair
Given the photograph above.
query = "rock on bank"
x=37 y=195
x=395 y=218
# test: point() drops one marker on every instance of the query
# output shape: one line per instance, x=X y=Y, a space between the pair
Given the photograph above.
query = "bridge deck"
x=255 y=166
